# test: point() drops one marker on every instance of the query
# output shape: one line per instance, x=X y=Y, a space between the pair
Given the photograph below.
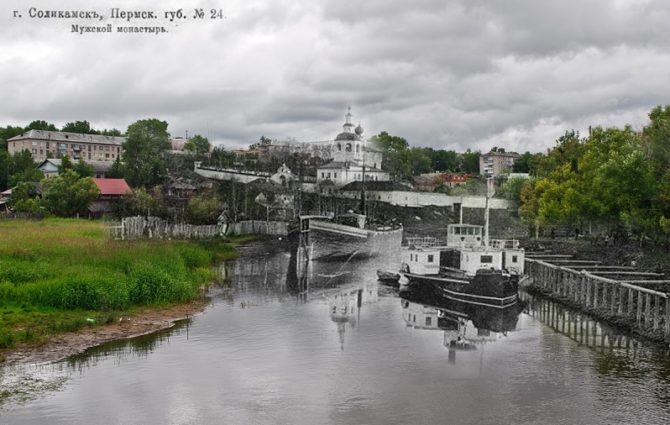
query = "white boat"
x=348 y=236
x=466 y=267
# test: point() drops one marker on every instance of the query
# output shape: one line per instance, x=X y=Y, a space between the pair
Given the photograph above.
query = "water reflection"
x=286 y=341
x=464 y=326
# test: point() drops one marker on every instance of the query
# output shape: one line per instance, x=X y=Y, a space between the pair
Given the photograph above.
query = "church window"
x=339 y=147
x=348 y=147
x=358 y=148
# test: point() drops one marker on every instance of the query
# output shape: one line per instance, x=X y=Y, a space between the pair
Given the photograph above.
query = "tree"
x=143 y=150
x=568 y=150
x=203 y=208
x=79 y=127
x=65 y=164
x=396 y=155
x=524 y=163
x=111 y=132
x=22 y=168
x=197 y=145
x=469 y=162
x=22 y=197
x=418 y=161
x=41 y=125
x=67 y=195
x=5 y=164
x=7 y=133
x=391 y=144
x=140 y=202
x=656 y=139
x=511 y=189
x=116 y=170
x=83 y=169
x=441 y=160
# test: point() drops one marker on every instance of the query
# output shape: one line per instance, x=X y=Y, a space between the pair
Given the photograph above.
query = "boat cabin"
x=428 y=260
x=419 y=316
x=421 y=260
x=464 y=235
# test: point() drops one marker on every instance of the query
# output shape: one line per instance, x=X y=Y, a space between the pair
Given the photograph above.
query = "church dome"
x=347 y=136
x=359 y=130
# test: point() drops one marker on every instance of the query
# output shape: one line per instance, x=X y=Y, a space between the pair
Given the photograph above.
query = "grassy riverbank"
x=60 y=275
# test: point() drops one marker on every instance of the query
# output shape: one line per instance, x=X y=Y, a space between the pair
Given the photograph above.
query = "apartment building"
x=493 y=164
x=44 y=144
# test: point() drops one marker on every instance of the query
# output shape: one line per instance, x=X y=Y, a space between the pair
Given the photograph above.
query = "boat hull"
x=344 y=243
x=487 y=288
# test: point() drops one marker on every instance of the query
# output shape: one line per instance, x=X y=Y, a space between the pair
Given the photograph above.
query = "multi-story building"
x=56 y=144
x=493 y=164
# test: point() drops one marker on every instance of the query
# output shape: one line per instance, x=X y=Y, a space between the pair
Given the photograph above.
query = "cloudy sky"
x=451 y=74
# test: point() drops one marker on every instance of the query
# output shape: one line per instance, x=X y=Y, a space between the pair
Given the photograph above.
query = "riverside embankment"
x=64 y=286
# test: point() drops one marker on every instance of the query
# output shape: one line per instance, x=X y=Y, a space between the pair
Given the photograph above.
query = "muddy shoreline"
x=61 y=346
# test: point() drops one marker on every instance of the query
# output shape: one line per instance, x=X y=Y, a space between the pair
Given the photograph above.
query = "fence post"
x=657 y=301
x=639 y=308
x=647 y=314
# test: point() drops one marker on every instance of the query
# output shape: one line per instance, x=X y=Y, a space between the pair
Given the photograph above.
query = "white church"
x=353 y=157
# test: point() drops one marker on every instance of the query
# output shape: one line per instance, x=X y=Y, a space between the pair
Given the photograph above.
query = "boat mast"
x=489 y=192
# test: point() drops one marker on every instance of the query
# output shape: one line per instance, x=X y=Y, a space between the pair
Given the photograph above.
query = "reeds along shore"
x=61 y=274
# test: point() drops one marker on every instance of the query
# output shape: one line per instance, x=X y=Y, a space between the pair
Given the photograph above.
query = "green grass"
x=60 y=275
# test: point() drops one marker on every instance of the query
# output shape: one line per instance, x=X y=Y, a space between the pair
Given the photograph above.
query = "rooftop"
x=98 y=166
x=61 y=136
x=113 y=186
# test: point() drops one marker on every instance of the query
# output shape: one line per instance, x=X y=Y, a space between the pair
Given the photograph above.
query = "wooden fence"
x=645 y=309
x=157 y=228
x=257 y=227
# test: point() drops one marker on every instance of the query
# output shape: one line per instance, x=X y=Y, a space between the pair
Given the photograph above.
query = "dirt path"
x=64 y=345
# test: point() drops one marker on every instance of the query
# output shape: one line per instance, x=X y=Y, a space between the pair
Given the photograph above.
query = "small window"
x=335 y=175
x=430 y=258
x=487 y=259
x=514 y=258
x=428 y=321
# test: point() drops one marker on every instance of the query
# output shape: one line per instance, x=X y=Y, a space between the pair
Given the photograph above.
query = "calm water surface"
x=330 y=345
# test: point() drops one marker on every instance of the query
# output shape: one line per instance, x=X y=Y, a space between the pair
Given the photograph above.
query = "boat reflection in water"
x=340 y=283
x=345 y=306
x=465 y=326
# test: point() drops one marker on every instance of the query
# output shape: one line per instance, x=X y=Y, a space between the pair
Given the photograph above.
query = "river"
x=334 y=346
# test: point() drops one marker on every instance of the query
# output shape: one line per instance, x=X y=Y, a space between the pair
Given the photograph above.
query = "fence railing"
x=645 y=309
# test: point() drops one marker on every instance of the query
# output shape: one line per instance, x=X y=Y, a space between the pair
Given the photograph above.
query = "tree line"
x=616 y=178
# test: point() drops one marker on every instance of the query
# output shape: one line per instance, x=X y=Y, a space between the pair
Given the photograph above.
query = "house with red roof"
x=111 y=192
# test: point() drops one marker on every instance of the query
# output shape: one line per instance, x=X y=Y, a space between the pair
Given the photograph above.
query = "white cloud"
x=457 y=75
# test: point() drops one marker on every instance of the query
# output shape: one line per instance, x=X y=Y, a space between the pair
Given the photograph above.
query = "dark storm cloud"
x=458 y=74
